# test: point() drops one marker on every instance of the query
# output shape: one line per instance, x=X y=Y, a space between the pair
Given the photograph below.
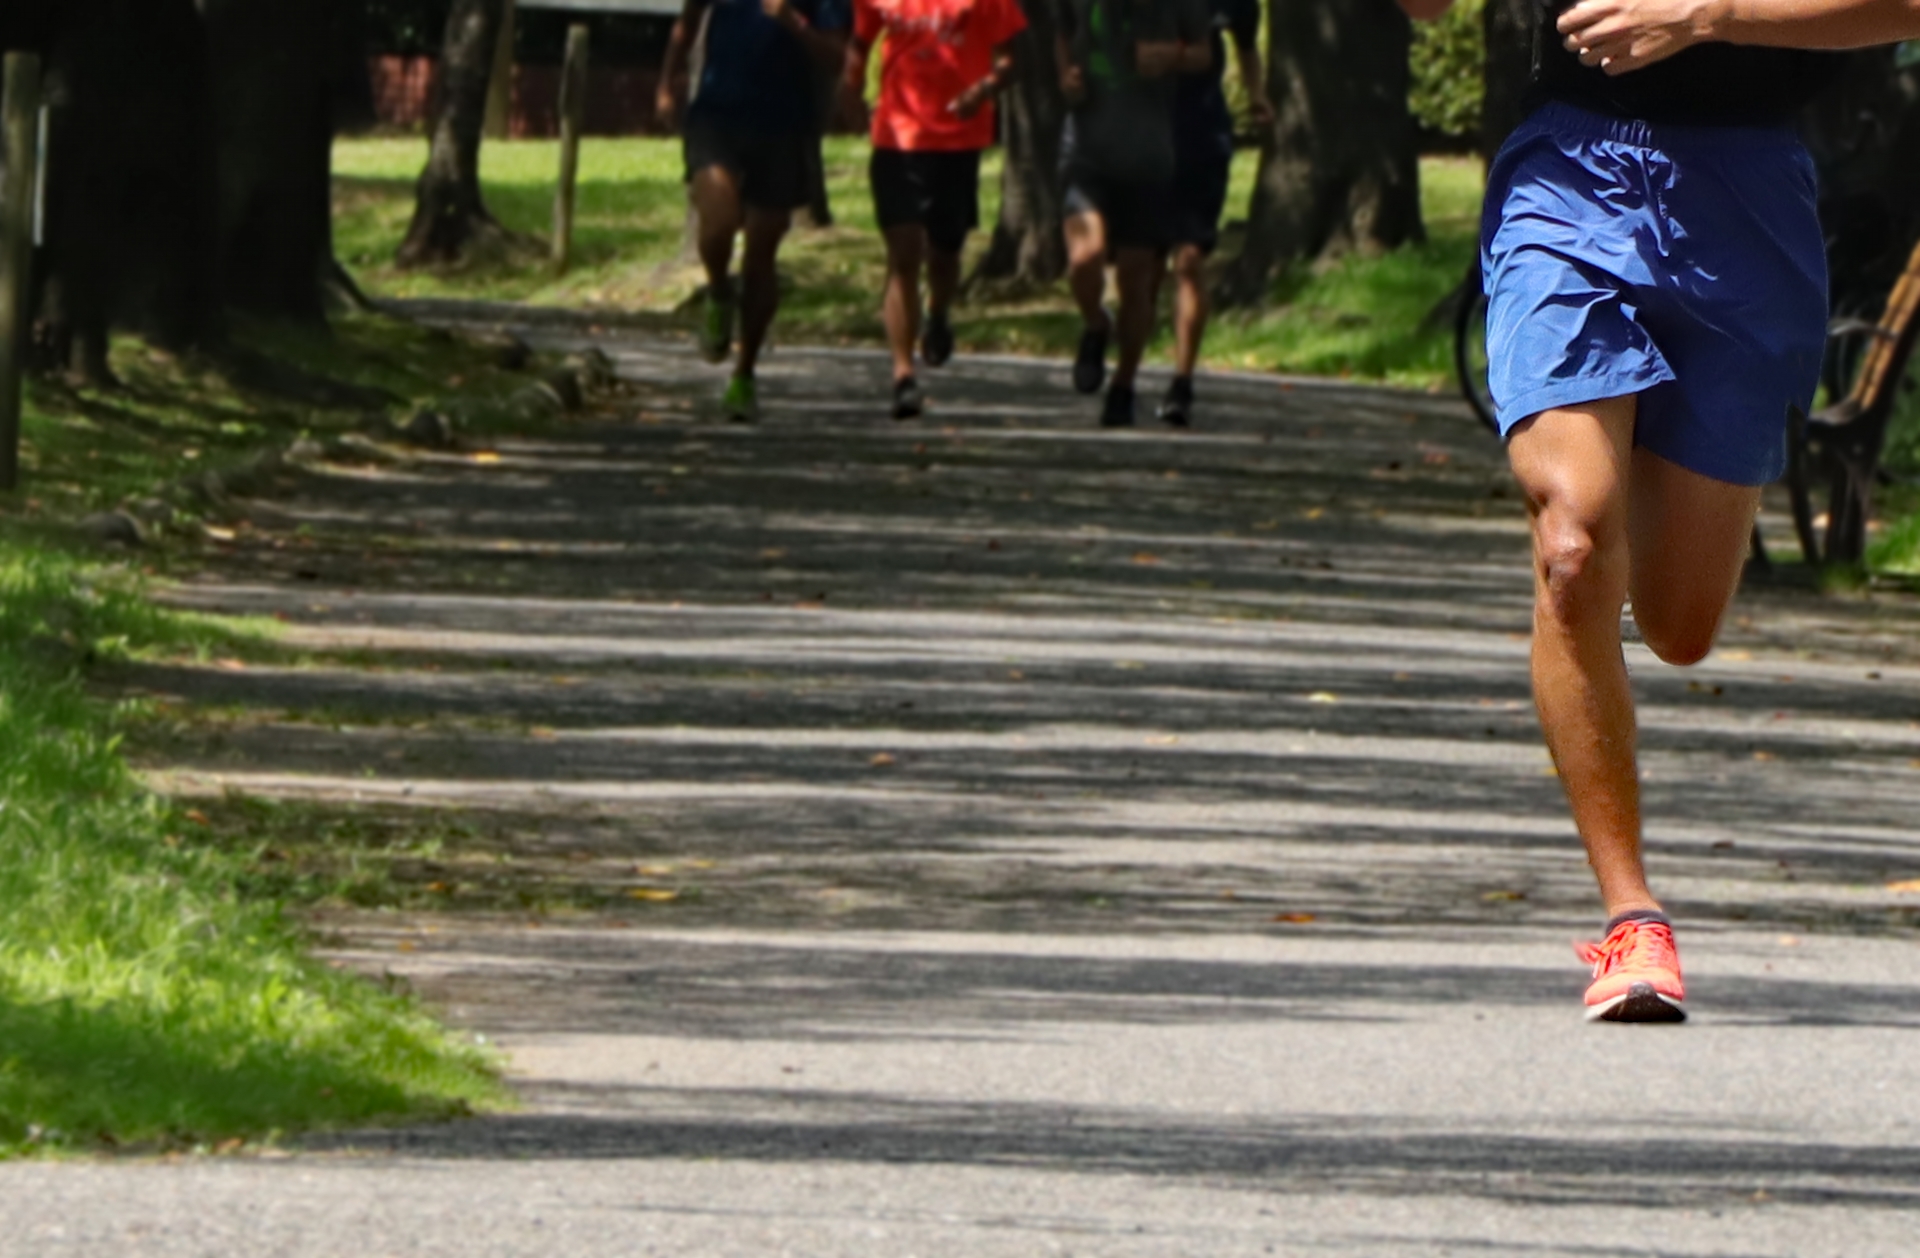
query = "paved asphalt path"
x=993 y=836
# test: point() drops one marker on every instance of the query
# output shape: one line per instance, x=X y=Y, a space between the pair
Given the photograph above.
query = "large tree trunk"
x=1509 y=27
x=448 y=212
x=1341 y=170
x=130 y=232
x=1027 y=245
x=274 y=97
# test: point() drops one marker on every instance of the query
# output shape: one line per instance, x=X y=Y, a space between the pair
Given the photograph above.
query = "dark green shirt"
x=1123 y=129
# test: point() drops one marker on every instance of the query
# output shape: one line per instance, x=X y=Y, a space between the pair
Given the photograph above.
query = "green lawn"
x=1362 y=317
x=143 y=1001
x=150 y=995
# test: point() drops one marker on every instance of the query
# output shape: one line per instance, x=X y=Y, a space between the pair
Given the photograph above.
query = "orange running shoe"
x=1636 y=974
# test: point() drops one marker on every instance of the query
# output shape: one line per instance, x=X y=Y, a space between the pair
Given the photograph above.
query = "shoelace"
x=1636 y=944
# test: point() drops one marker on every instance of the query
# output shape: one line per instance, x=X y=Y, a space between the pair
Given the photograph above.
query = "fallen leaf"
x=1314 y=513
x=1146 y=557
x=1323 y=696
x=1763 y=755
x=881 y=760
x=1167 y=741
x=197 y=817
x=1499 y=896
x=653 y=895
x=1789 y=941
x=542 y=732
x=219 y=534
x=1293 y=917
x=232 y=666
x=700 y=864
x=653 y=871
x=1906 y=886
x=440 y=888
x=1736 y=656
x=1014 y=674
x=486 y=456
x=773 y=552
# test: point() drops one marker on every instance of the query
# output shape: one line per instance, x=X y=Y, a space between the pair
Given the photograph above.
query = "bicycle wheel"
x=1470 y=347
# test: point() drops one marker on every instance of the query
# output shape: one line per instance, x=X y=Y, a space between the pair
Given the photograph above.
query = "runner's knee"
x=1579 y=558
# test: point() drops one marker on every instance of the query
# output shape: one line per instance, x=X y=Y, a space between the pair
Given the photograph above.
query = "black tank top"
x=1708 y=84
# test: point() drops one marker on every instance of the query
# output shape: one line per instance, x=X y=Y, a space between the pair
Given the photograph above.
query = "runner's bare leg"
x=716 y=200
x=906 y=249
x=1087 y=267
x=1190 y=307
x=759 y=283
x=1609 y=519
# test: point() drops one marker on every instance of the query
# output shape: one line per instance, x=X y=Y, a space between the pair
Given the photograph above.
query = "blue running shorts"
x=1683 y=264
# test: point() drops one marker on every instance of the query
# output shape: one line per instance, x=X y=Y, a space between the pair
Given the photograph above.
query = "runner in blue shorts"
x=1656 y=302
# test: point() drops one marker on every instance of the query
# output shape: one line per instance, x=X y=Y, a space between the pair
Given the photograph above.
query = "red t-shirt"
x=935 y=50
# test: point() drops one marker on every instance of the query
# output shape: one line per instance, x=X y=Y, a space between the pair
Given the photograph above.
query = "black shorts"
x=1137 y=215
x=772 y=167
x=939 y=191
x=1199 y=198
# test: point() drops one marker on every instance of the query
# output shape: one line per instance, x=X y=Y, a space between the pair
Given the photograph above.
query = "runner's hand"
x=1260 y=112
x=1073 y=84
x=1156 y=59
x=1623 y=35
x=666 y=107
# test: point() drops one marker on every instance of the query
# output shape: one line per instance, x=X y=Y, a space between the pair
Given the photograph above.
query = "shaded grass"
x=143 y=999
x=84 y=449
x=151 y=992
x=1362 y=317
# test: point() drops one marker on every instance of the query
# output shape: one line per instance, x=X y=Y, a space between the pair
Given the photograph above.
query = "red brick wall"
x=619 y=100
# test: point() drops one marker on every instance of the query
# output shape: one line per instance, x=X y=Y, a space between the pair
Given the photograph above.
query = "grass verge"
x=151 y=995
x=1364 y=317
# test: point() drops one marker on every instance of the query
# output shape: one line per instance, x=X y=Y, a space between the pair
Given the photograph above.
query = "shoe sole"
x=1639 y=1003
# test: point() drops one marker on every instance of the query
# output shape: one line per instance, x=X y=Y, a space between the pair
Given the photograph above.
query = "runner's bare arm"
x=856 y=65
x=968 y=103
x=1623 y=35
x=665 y=105
x=1073 y=80
x=828 y=49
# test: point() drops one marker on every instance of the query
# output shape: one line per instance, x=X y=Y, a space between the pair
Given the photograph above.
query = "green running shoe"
x=742 y=402
x=716 y=328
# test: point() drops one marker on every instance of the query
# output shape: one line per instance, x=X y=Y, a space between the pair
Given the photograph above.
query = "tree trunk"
x=130 y=230
x=1341 y=170
x=448 y=212
x=274 y=104
x=1509 y=26
x=1027 y=245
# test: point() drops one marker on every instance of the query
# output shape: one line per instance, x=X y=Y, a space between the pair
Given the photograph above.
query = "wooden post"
x=573 y=112
x=499 y=123
x=19 y=133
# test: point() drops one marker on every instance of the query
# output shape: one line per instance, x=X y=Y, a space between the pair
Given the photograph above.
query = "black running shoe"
x=908 y=401
x=1176 y=408
x=1090 y=364
x=936 y=340
x=1118 y=411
